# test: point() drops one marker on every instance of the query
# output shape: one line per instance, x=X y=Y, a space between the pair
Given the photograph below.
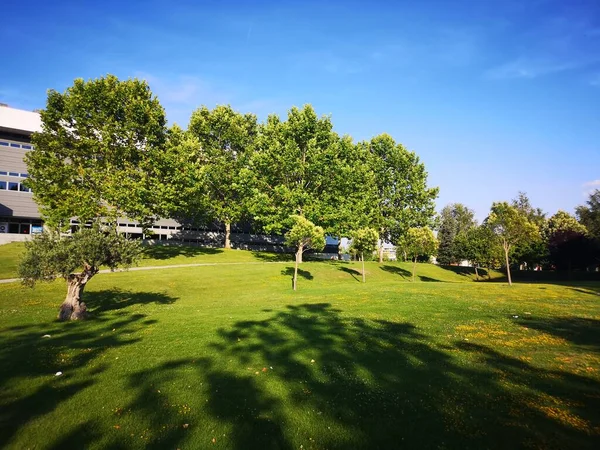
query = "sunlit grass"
x=230 y=357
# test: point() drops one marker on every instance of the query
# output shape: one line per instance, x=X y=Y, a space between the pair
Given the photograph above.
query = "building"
x=20 y=217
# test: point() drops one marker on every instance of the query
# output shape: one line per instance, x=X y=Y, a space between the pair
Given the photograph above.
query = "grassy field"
x=229 y=357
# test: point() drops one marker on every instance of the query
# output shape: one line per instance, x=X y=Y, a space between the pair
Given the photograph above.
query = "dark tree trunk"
x=227 y=235
x=73 y=308
x=476 y=273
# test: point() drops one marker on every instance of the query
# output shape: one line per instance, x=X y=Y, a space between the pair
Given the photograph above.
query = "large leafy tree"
x=226 y=138
x=403 y=199
x=302 y=236
x=292 y=165
x=364 y=240
x=77 y=259
x=479 y=246
x=512 y=228
x=348 y=195
x=533 y=251
x=101 y=153
x=589 y=214
x=417 y=242
x=454 y=219
x=568 y=242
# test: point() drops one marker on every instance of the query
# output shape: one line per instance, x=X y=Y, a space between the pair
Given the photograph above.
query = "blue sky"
x=494 y=96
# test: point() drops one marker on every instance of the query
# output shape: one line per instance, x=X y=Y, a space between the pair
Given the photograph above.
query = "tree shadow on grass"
x=355 y=273
x=273 y=257
x=397 y=271
x=311 y=375
x=114 y=299
x=75 y=349
x=429 y=279
x=577 y=330
x=162 y=252
x=289 y=271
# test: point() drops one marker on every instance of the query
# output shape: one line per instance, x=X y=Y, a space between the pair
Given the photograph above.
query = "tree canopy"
x=302 y=236
x=418 y=241
x=454 y=219
x=100 y=153
x=364 y=240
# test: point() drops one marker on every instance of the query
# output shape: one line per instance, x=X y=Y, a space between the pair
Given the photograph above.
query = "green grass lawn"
x=230 y=357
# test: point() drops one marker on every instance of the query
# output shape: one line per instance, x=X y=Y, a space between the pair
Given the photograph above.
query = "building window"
x=13 y=174
x=23 y=188
x=26 y=147
x=2 y=172
x=24 y=175
x=4 y=143
x=15 y=145
x=12 y=186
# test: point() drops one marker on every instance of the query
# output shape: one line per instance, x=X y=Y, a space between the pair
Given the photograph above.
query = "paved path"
x=173 y=266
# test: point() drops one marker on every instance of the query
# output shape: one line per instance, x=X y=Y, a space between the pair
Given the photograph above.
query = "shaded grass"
x=178 y=358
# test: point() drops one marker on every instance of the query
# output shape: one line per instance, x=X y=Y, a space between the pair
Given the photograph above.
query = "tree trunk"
x=414 y=267
x=506 y=249
x=489 y=270
x=298 y=260
x=228 y=235
x=73 y=308
x=476 y=273
x=362 y=256
x=381 y=247
x=340 y=255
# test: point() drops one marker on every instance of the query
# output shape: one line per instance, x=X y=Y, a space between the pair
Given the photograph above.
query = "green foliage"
x=532 y=251
x=454 y=219
x=227 y=139
x=364 y=240
x=419 y=241
x=511 y=226
x=479 y=245
x=568 y=242
x=304 y=235
x=50 y=255
x=291 y=167
x=589 y=214
x=403 y=199
x=99 y=153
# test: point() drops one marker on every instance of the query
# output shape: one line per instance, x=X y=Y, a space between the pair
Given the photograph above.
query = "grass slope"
x=229 y=357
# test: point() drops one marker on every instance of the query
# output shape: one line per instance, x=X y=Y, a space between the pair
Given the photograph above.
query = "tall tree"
x=534 y=251
x=455 y=219
x=227 y=139
x=100 y=153
x=512 y=228
x=291 y=167
x=568 y=242
x=403 y=198
x=348 y=195
x=364 y=241
x=589 y=214
x=417 y=242
x=77 y=259
x=303 y=235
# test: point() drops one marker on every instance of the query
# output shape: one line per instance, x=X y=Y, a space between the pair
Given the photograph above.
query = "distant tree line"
x=519 y=235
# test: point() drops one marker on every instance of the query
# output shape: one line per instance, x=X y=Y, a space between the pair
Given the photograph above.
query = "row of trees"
x=105 y=152
x=517 y=234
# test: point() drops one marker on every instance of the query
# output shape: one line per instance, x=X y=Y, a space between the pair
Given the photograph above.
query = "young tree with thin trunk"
x=417 y=242
x=227 y=139
x=302 y=236
x=512 y=228
x=364 y=241
x=77 y=259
